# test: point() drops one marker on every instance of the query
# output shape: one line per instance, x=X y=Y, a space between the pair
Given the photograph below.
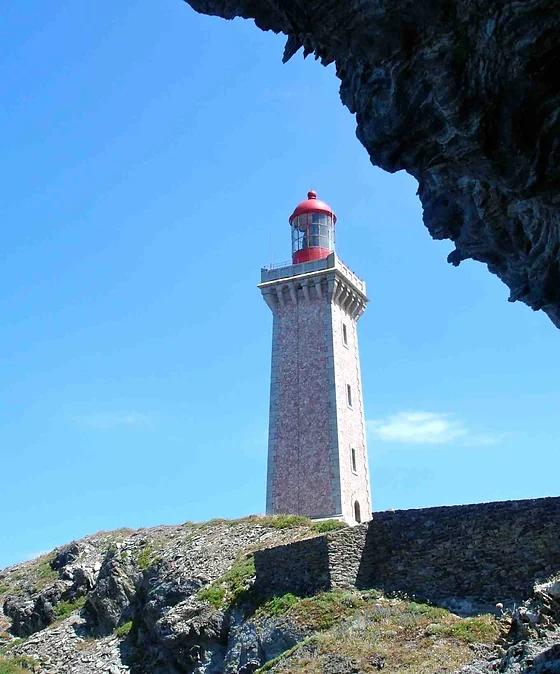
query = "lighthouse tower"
x=317 y=452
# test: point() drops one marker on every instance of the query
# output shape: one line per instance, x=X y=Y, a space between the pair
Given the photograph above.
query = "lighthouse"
x=317 y=450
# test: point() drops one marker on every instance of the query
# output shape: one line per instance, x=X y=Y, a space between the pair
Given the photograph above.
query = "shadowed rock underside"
x=464 y=96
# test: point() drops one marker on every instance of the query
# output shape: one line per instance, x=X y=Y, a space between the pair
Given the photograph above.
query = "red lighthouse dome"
x=312 y=224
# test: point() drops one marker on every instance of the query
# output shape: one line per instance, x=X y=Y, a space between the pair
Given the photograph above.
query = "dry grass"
x=374 y=633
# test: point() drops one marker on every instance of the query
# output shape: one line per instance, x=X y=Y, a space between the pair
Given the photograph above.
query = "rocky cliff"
x=465 y=96
x=184 y=599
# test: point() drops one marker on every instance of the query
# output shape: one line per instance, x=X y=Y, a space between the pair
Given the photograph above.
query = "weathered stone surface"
x=144 y=614
x=30 y=614
x=464 y=96
x=111 y=600
x=464 y=557
x=147 y=582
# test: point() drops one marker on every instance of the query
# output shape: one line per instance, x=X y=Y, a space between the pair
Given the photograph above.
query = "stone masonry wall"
x=313 y=428
x=351 y=421
x=490 y=552
x=303 y=465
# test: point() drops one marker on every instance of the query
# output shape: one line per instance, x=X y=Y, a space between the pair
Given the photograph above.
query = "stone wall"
x=489 y=552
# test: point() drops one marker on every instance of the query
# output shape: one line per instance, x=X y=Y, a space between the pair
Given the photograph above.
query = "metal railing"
x=277 y=265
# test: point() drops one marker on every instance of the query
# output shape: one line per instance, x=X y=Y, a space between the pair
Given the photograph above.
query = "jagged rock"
x=191 y=634
x=148 y=583
x=31 y=614
x=464 y=96
x=110 y=602
x=67 y=554
x=339 y=664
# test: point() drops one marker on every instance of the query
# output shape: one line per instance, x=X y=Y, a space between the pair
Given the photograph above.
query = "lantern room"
x=312 y=224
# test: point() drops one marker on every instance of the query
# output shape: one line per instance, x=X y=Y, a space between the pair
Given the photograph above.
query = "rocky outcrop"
x=129 y=601
x=465 y=97
x=185 y=599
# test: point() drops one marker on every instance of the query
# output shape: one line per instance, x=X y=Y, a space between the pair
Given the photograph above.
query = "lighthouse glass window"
x=312 y=230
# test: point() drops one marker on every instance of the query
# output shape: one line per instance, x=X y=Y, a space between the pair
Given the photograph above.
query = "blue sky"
x=151 y=157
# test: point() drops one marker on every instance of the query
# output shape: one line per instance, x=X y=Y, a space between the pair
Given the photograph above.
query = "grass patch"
x=233 y=586
x=325 y=609
x=8 y=642
x=286 y=654
x=5 y=588
x=213 y=594
x=124 y=630
x=327 y=525
x=278 y=605
x=481 y=629
x=283 y=521
x=65 y=608
x=426 y=610
x=17 y=665
x=44 y=571
x=147 y=557
x=373 y=632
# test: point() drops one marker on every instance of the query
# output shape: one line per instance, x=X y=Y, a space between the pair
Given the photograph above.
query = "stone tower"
x=317 y=452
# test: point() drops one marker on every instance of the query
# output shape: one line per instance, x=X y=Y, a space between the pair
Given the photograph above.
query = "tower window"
x=344 y=334
x=357 y=514
x=353 y=457
x=349 y=395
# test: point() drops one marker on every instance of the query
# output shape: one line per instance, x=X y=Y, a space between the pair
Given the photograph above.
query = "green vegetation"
x=213 y=594
x=7 y=642
x=278 y=605
x=5 y=588
x=233 y=586
x=45 y=573
x=284 y=521
x=480 y=630
x=147 y=557
x=286 y=654
x=325 y=609
x=373 y=632
x=17 y=665
x=327 y=525
x=65 y=608
x=124 y=630
x=276 y=522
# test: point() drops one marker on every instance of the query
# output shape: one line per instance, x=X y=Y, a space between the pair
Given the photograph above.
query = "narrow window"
x=349 y=394
x=357 y=515
x=344 y=334
x=354 y=469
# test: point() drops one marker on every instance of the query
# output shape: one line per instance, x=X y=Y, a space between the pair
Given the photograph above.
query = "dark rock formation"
x=31 y=614
x=190 y=599
x=111 y=600
x=463 y=95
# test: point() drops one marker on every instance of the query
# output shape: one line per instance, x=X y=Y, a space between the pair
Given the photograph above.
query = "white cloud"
x=429 y=428
x=109 y=420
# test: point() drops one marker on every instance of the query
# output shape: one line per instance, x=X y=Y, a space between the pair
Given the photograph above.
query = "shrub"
x=124 y=630
x=279 y=605
x=213 y=594
x=328 y=525
x=65 y=608
x=286 y=654
x=17 y=665
x=284 y=521
x=325 y=609
x=147 y=557
x=45 y=573
x=427 y=610
x=233 y=586
x=480 y=629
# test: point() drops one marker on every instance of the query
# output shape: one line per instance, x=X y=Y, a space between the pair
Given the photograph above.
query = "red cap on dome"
x=312 y=205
